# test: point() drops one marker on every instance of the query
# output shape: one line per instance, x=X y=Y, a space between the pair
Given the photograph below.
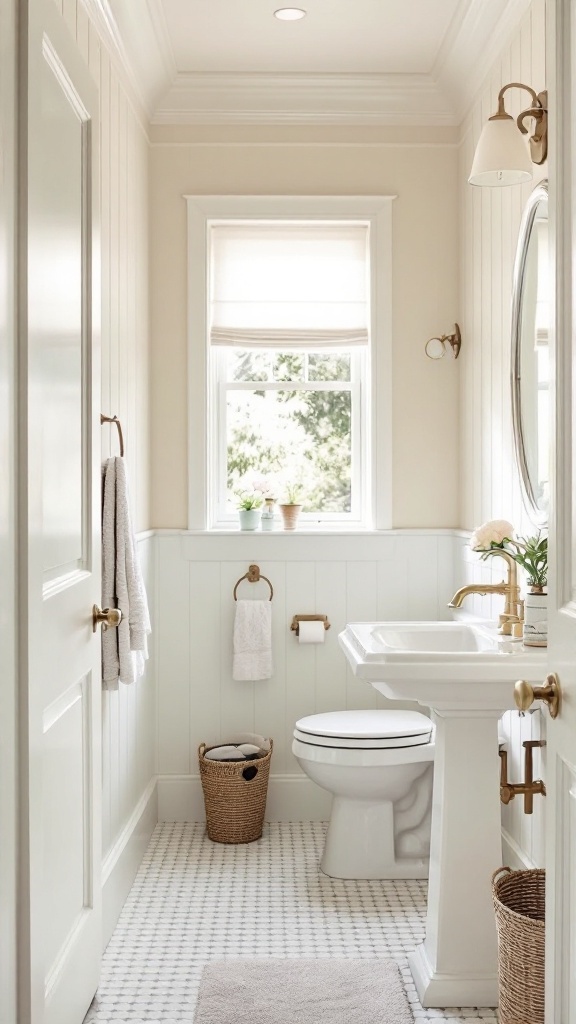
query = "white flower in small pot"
x=249 y=510
x=291 y=508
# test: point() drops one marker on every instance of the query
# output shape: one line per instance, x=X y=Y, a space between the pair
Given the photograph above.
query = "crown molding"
x=473 y=43
x=137 y=40
x=392 y=99
x=137 y=37
x=104 y=23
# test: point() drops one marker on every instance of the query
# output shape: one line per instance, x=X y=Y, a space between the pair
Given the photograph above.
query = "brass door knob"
x=550 y=693
x=109 y=617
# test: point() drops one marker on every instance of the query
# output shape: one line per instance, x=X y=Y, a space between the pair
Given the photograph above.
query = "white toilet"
x=378 y=765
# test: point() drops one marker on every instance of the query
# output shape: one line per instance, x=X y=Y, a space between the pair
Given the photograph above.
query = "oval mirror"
x=531 y=312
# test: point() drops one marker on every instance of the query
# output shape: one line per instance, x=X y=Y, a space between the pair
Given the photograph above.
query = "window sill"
x=314 y=531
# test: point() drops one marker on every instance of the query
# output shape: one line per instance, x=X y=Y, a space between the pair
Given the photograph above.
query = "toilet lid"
x=367 y=729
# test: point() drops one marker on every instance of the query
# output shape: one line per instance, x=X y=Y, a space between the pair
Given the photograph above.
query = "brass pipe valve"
x=530 y=786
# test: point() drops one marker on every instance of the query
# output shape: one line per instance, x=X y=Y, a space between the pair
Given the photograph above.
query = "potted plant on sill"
x=291 y=508
x=249 y=510
x=531 y=553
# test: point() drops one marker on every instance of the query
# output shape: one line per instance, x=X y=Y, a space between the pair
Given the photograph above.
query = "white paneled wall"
x=490 y=220
x=128 y=715
x=404 y=574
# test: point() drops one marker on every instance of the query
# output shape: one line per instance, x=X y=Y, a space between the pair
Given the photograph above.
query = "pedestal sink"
x=466 y=676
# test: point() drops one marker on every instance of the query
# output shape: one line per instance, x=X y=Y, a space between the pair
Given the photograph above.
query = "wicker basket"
x=234 y=796
x=519 y=905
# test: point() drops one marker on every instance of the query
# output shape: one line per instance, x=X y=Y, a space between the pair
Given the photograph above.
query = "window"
x=288 y=334
x=290 y=355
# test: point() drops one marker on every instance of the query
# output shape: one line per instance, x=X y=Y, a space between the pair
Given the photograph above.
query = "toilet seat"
x=364 y=730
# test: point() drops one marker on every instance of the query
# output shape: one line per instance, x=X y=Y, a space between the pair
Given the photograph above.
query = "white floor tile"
x=194 y=900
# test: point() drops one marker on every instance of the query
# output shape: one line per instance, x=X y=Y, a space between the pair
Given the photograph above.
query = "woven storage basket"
x=519 y=905
x=235 y=802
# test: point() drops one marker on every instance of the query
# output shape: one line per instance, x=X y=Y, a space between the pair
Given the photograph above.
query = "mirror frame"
x=538 y=195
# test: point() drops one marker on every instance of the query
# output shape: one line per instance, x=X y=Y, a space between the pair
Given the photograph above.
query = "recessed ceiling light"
x=290 y=14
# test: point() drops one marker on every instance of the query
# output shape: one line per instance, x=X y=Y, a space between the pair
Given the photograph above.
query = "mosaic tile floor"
x=193 y=900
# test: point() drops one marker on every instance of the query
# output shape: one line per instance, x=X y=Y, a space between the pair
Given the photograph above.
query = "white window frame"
x=376 y=211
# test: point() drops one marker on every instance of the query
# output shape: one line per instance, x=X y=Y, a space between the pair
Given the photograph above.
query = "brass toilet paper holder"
x=297 y=619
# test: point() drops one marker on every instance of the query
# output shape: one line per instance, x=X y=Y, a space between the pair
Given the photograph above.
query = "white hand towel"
x=124 y=649
x=252 y=640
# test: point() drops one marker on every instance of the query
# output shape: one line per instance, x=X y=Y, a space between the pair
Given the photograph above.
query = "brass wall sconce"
x=502 y=156
x=530 y=786
x=435 y=348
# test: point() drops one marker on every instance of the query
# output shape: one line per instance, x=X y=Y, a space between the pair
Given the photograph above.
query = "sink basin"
x=440 y=664
x=465 y=673
x=432 y=637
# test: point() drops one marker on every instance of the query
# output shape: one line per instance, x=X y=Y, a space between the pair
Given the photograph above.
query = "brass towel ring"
x=253 y=576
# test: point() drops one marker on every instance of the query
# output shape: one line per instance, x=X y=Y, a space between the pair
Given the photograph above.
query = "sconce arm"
x=501 y=112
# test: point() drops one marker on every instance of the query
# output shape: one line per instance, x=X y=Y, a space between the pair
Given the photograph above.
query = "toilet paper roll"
x=311 y=632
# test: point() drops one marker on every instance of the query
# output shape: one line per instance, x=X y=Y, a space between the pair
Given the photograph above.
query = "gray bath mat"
x=307 y=991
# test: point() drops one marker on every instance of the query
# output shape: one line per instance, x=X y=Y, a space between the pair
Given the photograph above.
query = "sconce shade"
x=502 y=156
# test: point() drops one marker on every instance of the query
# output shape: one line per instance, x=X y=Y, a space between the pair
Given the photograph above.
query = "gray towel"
x=252 y=640
x=125 y=649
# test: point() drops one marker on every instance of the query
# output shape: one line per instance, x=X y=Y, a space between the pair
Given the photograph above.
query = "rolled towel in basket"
x=254 y=738
x=225 y=753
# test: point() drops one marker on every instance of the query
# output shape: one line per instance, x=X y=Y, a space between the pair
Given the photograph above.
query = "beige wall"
x=425 y=286
x=490 y=219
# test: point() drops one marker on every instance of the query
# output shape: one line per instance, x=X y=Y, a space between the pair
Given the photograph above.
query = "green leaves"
x=529 y=552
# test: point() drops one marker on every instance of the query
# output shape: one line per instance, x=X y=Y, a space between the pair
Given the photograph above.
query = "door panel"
x=60 y=387
x=561 y=732
x=63 y=237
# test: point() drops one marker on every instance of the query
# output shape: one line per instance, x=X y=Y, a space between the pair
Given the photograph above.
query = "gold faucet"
x=510 y=622
x=530 y=786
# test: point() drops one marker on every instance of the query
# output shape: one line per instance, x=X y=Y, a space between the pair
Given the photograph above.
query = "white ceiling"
x=379 y=62
x=337 y=36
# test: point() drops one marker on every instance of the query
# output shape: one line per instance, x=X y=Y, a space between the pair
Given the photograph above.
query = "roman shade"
x=279 y=284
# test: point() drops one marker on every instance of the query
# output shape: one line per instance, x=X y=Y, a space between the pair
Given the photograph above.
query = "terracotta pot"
x=290 y=514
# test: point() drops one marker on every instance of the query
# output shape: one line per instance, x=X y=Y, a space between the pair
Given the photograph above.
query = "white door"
x=561 y=732
x=60 y=522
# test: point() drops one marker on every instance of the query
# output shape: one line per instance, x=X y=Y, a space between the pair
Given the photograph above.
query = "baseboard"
x=123 y=860
x=290 y=798
x=513 y=856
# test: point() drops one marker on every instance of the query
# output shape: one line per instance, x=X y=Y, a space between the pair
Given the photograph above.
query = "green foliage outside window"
x=292 y=436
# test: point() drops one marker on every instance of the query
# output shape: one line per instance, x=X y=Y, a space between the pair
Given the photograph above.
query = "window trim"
x=377 y=448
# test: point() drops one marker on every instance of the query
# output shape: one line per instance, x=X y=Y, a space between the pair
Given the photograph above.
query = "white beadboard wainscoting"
x=348 y=577
x=129 y=802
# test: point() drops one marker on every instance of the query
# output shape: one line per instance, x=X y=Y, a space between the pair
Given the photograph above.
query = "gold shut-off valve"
x=109 y=617
x=525 y=694
x=530 y=787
